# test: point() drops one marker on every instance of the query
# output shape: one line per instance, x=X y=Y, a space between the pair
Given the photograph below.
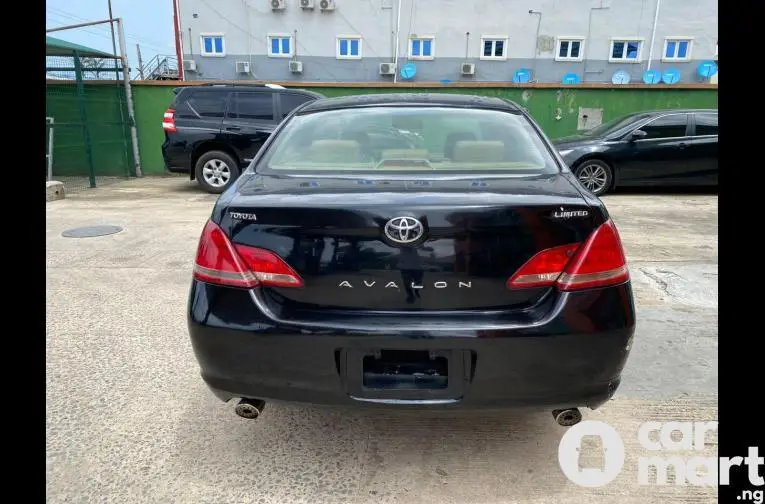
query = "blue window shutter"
x=354 y=47
x=343 y=47
x=427 y=48
x=682 y=49
x=274 y=46
x=415 y=47
x=208 y=44
x=670 y=50
x=285 y=46
x=219 y=45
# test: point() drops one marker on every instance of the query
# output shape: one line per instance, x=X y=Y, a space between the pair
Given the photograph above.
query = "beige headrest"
x=405 y=154
x=472 y=151
x=335 y=151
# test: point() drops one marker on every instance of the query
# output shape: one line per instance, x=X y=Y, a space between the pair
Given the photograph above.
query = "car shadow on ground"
x=339 y=455
x=185 y=185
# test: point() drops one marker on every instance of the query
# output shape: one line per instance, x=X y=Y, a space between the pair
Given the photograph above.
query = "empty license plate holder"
x=405 y=375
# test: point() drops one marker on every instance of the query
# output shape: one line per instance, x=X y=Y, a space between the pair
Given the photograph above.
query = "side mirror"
x=637 y=134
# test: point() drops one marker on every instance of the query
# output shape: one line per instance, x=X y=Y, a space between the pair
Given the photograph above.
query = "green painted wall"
x=150 y=103
x=556 y=110
x=107 y=122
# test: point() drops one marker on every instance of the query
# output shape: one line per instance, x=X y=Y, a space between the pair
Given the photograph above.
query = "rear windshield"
x=407 y=139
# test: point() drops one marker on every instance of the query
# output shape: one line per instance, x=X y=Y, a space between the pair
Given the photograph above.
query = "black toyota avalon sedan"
x=425 y=251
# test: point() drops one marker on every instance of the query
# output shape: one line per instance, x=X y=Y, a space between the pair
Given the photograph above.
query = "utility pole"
x=178 y=46
x=116 y=74
x=111 y=25
x=140 y=61
x=129 y=97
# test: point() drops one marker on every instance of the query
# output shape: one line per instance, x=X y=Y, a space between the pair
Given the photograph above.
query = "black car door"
x=659 y=155
x=249 y=121
x=702 y=149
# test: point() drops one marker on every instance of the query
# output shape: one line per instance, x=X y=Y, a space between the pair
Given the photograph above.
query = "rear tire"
x=595 y=175
x=216 y=171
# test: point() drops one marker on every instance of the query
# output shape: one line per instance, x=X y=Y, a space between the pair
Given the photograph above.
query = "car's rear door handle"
x=682 y=145
x=233 y=128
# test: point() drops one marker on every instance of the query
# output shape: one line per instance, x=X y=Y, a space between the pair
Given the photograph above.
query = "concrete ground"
x=130 y=421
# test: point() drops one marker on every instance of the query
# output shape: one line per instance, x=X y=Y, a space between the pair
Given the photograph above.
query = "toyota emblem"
x=404 y=230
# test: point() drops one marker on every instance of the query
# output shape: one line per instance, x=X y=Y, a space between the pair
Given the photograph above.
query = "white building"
x=348 y=40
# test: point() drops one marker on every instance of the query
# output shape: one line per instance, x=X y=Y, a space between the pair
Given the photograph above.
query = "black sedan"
x=464 y=267
x=659 y=148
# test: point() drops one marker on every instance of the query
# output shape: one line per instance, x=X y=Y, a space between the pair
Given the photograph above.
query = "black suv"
x=213 y=131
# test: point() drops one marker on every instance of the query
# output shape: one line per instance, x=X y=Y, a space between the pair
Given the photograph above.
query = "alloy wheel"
x=216 y=173
x=593 y=177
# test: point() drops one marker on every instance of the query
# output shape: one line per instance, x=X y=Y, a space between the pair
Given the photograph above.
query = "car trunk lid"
x=476 y=234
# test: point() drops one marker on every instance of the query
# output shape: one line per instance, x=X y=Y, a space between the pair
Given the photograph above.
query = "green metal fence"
x=88 y=125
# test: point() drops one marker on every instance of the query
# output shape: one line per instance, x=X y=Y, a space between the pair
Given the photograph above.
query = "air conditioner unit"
x=278 y=5
x=243 y=67
x=327 y=5
x=467 y=69
x=190 y=65
x=307 y=4
x=296 y=66
x=387 y=68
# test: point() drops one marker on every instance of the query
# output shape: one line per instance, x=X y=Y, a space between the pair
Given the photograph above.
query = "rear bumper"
x=575 y=360
x=176 y=157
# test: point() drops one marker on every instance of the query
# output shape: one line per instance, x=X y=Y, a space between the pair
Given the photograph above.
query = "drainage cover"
x=91 y=231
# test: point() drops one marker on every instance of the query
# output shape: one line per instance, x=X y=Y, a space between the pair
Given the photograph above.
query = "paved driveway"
x=129 y=419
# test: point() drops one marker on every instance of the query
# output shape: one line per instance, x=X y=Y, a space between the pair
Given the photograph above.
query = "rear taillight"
x=597 y=263
x=544 y=268
x=269 y=268
x=220 y=262
x=168 y=121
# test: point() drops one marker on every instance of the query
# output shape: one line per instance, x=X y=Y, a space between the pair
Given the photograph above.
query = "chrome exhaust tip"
x=567 y=417
x=250 y=408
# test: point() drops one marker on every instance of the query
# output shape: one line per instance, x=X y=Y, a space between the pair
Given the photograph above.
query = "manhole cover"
x=91 y=231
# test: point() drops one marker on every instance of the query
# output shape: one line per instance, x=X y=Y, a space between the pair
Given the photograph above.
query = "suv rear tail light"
x=168 y=121
x=220 y=262
x=598 y=262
